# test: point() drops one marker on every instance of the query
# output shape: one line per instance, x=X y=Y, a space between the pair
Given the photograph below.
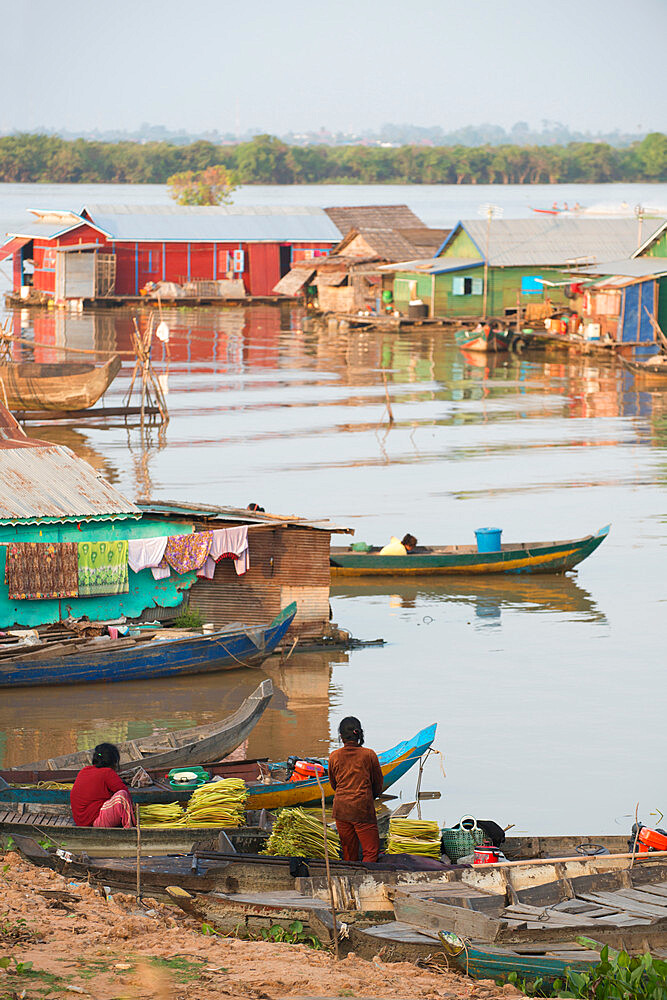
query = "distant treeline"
x=26 y=158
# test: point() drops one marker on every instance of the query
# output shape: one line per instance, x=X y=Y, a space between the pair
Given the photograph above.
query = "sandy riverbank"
x=83 y=945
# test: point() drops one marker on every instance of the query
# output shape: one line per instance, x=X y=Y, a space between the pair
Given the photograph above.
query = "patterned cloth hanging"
x=102 y=568
x=187 y=552
x=37 y=571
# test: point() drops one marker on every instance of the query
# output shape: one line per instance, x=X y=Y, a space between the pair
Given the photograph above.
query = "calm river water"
x=548 y=692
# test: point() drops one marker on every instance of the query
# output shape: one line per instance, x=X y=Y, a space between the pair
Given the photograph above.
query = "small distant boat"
x=513 y=557
x=652 y=369
x=32 y=386
x=555 y=210
x=182 y=747
x=149 y=655
x=484 y=341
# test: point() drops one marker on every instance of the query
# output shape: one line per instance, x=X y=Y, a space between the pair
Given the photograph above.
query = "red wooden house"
x=116 y=250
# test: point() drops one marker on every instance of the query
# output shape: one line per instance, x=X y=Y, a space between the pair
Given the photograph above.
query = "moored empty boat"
x=179 y=747
x=26 y=385
x=149 y=655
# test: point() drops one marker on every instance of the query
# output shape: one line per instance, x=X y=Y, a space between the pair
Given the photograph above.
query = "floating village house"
x=624 y=301
x=349 y=279
x=50 y=497
x=491 y=267
x=119 y=251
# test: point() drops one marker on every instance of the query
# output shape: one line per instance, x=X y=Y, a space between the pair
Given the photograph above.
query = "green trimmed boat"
x=517 y=557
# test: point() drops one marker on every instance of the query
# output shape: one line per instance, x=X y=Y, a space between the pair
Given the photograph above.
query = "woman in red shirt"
x=99 y=796
x=356 y=778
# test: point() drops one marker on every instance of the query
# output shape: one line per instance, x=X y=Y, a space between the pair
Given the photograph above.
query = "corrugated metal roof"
x=43 y=231
x=213 y=512
x=219 y=223
x=434 y=265
x=637 y=267
x=554 y=241
x=46 y=224
x=45 y=482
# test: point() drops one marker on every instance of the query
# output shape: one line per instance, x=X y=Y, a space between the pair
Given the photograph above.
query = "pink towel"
x=227 y=543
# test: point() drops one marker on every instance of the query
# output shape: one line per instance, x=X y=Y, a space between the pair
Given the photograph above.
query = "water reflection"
x=488 y=597
x=530 y=673
x=65 y=719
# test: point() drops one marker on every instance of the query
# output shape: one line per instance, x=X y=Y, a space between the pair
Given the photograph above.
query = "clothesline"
x=45 y=570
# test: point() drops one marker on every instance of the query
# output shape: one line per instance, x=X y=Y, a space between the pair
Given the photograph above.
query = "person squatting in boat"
x=356 y=778
x=99 y=796
x=396 y=548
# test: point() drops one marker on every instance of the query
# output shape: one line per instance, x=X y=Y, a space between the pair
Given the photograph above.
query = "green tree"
x=652 y=155
x=206 y=187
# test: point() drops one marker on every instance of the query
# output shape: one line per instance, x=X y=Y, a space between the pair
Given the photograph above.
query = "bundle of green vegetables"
x=414 y=836
x=218 y=803
x=171 y=814
x=299 y=834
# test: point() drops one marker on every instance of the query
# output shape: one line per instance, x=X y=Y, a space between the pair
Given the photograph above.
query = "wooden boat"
x=178 y=747
x=248 y=769
x=273 y=790
x=149 y=655
x=60 y=831
x=280 y=792
x=32 y=386
x=625 y=909
x=483 y=341
x=202 y=870
x=514 y=557
x=652 y=370
x=622 y=907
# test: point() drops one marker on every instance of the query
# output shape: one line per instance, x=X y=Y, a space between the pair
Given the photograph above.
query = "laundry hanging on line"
x=227 y=543
x=38 y=571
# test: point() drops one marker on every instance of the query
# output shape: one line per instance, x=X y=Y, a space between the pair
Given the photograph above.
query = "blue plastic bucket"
x=488 y=539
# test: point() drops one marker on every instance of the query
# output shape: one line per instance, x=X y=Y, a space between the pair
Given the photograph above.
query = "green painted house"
x=47 y=494
x=488 y=267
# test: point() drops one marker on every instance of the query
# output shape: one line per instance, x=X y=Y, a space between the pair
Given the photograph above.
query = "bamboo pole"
x=332 y=904
x=386 y=394
x=138 y=819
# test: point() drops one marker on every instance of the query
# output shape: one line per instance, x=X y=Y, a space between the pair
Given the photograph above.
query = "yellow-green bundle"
x=218 y=803
x=162 y=815
x=298 y=834
x=414 y=836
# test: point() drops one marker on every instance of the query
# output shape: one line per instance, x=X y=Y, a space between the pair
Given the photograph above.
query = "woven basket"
x=457 y=842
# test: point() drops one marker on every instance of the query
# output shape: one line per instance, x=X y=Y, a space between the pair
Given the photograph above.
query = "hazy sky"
x=348 y=65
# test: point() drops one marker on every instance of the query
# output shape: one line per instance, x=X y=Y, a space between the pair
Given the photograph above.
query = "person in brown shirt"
x=356 y=778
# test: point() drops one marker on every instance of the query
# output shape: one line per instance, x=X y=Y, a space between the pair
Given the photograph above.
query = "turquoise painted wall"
x=145 y=592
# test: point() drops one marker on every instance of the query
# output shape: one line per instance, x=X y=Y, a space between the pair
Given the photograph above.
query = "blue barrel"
x=488 y=539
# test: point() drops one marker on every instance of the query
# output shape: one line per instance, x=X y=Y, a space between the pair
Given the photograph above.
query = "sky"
x=348 y=66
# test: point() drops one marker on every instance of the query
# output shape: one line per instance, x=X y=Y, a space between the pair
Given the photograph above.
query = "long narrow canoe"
x=514 y=557
x=394 y=764
x=32 y=386
x=182 y=747
x=153 y=654
x=275 y=794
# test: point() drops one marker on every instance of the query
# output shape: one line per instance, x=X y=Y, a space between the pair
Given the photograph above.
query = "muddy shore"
x=81 y=944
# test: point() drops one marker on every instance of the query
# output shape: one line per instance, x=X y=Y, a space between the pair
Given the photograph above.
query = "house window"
x=532 y=285
x=467 y=286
